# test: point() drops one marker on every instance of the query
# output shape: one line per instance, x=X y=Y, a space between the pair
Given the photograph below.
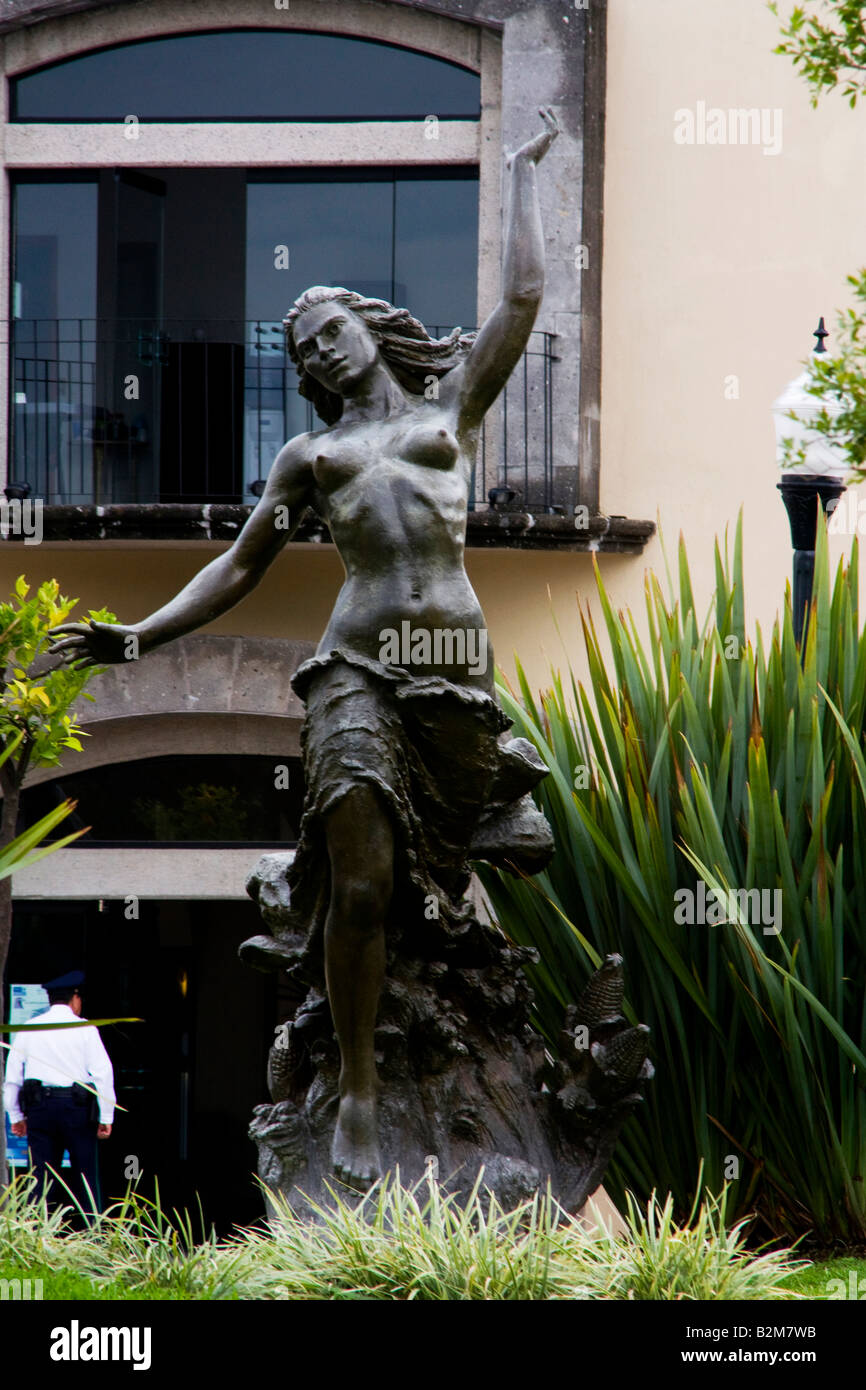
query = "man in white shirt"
x=53 y=1111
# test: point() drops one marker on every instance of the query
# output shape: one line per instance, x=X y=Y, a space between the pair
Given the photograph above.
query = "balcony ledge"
x=526 y=531
x=488 y=528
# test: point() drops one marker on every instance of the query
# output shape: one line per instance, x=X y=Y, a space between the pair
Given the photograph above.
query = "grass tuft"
x=396 y=1243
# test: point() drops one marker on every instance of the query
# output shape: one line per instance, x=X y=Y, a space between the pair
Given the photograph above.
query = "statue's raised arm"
x=504 y=335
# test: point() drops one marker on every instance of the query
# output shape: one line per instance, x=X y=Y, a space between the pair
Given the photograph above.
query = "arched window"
x=248 y=75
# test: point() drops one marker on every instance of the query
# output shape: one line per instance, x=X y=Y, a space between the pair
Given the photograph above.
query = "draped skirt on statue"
x=433 y=752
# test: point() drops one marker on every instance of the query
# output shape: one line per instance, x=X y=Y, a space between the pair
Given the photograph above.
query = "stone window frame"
x=512 y=44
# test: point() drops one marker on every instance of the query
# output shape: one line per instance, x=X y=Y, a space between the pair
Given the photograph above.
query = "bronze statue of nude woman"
x=402 y=761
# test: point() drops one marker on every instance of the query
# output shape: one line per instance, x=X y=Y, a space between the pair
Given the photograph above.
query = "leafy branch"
x=828 y=47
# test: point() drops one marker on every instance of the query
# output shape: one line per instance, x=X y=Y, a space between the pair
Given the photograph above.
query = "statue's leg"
x=361 y=850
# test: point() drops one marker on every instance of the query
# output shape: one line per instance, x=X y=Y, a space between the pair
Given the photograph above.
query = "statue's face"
x=335 y=346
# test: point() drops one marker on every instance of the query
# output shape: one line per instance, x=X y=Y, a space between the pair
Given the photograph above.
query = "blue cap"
x=73 y=980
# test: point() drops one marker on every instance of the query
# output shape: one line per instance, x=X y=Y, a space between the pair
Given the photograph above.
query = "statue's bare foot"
x=355 y=1150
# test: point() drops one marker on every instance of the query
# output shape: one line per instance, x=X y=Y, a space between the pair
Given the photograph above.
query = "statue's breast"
x=344 y=458
x=338 y=462
x=429 y=446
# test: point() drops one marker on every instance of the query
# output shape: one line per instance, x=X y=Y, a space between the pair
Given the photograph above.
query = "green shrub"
x=134 y=1249
x=703 y=755
x=394 y=1244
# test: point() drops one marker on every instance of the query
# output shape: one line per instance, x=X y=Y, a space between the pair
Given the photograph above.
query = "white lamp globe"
x=822 y=459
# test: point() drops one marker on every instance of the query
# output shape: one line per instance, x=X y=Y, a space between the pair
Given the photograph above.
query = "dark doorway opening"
x=190 y=1074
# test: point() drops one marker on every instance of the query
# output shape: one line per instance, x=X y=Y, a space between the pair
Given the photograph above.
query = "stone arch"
x=92 y=26
x=199 y=694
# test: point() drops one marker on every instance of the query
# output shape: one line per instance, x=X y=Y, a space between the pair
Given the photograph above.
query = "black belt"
x=57 y=1090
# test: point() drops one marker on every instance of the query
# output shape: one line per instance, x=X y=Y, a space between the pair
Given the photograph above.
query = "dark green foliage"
x=710 y=756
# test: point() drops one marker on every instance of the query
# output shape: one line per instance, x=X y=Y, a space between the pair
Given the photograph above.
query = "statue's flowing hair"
x=404 y=343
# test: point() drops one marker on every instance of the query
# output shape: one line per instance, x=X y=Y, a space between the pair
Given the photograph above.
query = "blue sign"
x=25 y=1002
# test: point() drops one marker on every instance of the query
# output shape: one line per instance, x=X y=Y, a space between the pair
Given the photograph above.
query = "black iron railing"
x=141 y=411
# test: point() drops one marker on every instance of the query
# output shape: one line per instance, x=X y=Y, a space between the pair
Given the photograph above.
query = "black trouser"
x=59 y=1122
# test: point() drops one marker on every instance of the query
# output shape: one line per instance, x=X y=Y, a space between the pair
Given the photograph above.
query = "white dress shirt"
x=60 y=1058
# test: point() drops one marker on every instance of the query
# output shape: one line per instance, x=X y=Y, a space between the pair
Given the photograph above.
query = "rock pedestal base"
x=465 y=1081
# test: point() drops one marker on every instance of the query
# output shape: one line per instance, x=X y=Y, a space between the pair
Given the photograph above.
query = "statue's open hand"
x=536 y=148
x=94 y=644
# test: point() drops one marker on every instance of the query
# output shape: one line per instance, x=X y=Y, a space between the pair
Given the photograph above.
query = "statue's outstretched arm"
x=217 y=587
x=500 y=342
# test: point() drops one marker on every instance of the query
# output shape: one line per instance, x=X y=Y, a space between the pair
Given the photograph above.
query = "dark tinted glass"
x=436 y=249
x=411 y=241
x=176 y=799
x=248 y=75
x=334 y=234
x=55 y=251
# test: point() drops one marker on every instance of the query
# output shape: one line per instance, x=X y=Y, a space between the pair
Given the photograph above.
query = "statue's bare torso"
x=395 y=496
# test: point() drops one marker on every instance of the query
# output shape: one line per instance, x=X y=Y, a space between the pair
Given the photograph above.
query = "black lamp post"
x=800 y=496
x=804 y=485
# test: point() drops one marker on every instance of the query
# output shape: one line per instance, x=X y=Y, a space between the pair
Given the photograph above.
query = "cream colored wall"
x=293 y=600
x=718 y=261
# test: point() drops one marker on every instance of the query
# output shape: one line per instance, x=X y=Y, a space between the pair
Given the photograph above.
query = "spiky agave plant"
x=701 y=755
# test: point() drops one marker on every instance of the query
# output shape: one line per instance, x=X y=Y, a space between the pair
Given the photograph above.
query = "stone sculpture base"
x=465 y=1080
